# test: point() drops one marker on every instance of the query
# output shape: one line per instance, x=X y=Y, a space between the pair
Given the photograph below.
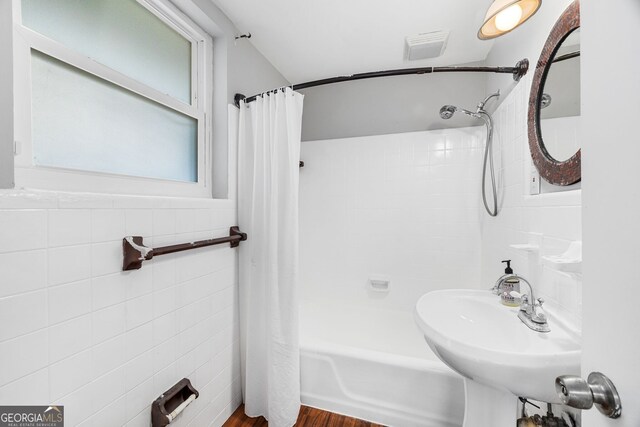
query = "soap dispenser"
x=509 y=285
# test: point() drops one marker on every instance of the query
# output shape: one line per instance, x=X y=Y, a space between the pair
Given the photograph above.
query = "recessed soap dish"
x=533 y=245
x=568 y=262
x=379 y=283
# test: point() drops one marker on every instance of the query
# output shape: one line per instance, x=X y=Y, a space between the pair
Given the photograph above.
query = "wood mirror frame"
x=559 y=173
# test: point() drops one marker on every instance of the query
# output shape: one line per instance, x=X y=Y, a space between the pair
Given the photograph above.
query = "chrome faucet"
x=531 y=313
x=499 y=282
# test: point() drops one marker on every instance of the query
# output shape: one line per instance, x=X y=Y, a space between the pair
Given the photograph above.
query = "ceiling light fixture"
x=505 y=15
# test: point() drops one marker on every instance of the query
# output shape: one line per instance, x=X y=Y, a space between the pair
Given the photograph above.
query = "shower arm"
x=483 y=103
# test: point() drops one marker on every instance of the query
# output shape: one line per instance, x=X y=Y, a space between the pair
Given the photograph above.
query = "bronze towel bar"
x=134 y=251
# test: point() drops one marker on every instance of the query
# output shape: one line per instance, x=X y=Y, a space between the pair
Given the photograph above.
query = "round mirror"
x=554 y=105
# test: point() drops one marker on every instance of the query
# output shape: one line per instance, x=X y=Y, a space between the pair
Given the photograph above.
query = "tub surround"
x=407 y=206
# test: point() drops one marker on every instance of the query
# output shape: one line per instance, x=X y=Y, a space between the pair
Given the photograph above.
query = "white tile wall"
x=408 y=206
x=77 y=331
x=403 y=206
x=556 y=216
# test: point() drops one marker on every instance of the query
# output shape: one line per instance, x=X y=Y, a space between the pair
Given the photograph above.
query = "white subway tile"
x=107 y=225
x=140 y=282
x=164 y=301
x=22 y=272
x=139 y=222
x=193 y=264
x=139 y=340
x=224 y=218
x=91 y=329
x=107 y=388
x=109 y=290
x=186 y=365
x=164 y=328
x=138 y=370
x=69 y=227
x=32 y=389
x=203 y=219
x=164 y=379
x=23 y=313
x=69 y=264
x=68 y=338
x=22 y=230
x=163 y=356
x=164 y=222
x=139 y=398
x=185 y=221
x=164 y=273
x=106 y=258
x=68 y=301
x=77 y=405
x=143 y=419
x=223 y=299
x=69 y=374
x=108 y=322
x=22 y=356
x=108 y=355
x=139 y=311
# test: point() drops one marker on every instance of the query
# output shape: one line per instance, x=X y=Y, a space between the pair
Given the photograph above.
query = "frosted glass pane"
x=82 y=122
x=120 y=34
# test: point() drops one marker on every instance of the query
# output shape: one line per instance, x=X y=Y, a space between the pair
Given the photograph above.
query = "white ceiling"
x=312 y=39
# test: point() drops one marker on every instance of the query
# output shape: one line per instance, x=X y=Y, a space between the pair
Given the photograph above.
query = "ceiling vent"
x=426 y=45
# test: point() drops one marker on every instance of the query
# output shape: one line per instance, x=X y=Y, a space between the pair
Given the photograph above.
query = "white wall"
x=77 y=331
x=555 y=216
x=388 y=105
x=402 y=205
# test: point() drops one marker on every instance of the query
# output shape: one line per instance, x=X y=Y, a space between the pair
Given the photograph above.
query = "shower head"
x=447 y=111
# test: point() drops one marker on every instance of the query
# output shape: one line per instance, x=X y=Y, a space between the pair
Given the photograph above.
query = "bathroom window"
x=111 y=96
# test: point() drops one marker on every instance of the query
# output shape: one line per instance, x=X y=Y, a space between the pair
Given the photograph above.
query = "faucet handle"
x=540 y=301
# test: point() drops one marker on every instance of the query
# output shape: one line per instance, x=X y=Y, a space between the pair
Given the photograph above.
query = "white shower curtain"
x=268 y=157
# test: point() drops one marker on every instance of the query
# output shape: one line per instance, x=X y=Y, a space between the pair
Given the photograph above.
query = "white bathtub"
x=374 y=364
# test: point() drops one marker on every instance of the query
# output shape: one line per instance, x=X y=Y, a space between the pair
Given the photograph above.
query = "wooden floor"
x=308 y=417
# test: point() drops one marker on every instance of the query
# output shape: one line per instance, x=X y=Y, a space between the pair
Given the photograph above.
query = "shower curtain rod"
x=518 y=71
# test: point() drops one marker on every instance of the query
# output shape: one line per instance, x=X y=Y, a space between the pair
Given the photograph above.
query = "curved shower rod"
x=517 y=72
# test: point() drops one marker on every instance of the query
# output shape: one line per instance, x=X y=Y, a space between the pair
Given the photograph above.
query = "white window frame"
x=29 y=175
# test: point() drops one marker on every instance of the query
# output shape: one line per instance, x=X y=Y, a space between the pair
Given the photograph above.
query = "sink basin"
x=484 y=341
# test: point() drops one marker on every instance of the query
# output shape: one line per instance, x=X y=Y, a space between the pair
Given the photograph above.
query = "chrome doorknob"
x=598 y=390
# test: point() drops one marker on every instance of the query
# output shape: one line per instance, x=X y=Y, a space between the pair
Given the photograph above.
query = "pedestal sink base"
x=488 y=406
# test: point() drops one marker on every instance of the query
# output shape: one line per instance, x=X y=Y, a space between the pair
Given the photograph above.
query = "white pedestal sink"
x=498 y=356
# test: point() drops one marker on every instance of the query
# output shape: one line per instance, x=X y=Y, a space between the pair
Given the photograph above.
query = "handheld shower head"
x=447 y=111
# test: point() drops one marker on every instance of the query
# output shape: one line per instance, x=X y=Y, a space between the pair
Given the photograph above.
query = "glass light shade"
x=505 y=15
